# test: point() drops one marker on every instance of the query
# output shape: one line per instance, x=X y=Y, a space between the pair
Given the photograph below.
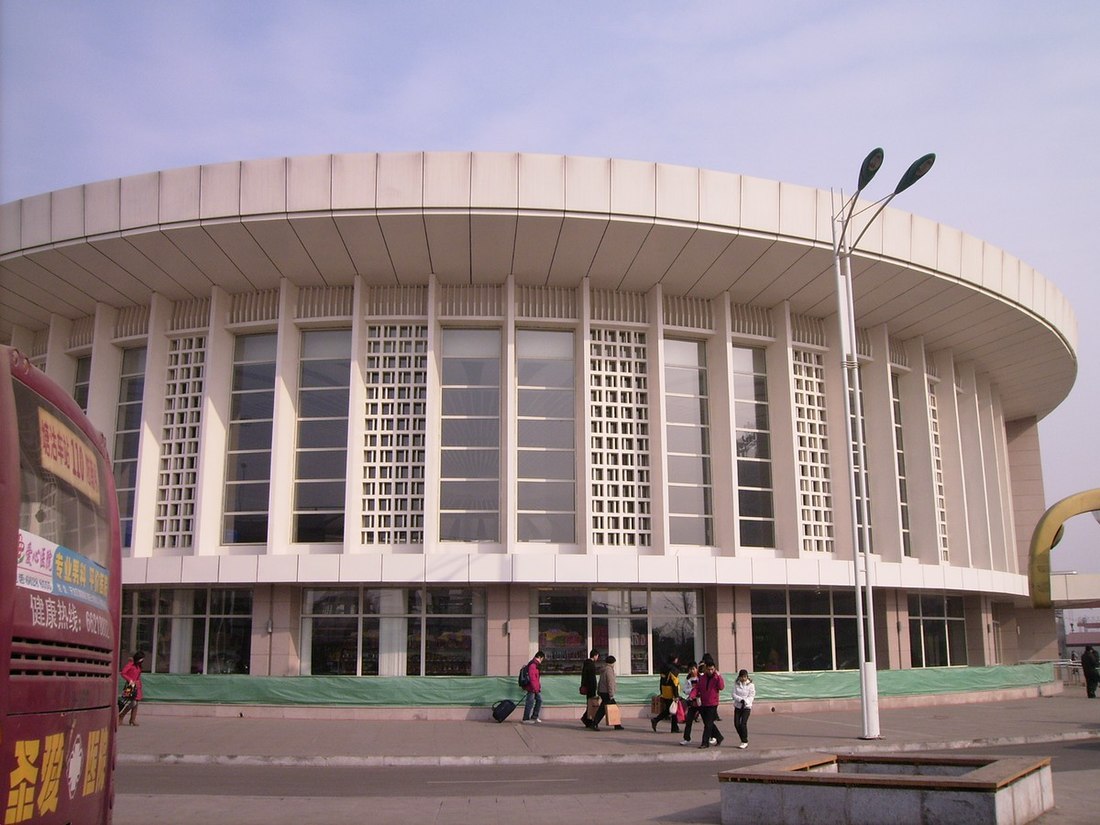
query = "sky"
x=1006 y=93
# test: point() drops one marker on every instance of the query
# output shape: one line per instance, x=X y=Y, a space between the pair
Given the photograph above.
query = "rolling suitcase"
x=503 y=709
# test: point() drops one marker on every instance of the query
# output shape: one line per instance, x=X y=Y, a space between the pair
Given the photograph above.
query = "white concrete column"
x=217 y=391
x=106 y=367
x=433 y=413
x=658 y=452
x=916 y=432
x=880 y=449
x=954 y=480
x=973 y=467
x=723 y=460
x=357 y=399
x=283 y=439
x=785 y=478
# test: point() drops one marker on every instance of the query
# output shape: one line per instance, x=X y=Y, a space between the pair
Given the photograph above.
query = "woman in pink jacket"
x=705 y=695
x=132 y=674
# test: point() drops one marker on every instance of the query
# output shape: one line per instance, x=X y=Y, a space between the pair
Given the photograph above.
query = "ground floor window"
x=641 y=628
x=804 y=630
x=393 y=631
x=188 y=630
x=937 y=630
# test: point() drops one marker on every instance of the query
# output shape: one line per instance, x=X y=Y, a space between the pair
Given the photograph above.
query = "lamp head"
x=917 y=170
x=871 y=164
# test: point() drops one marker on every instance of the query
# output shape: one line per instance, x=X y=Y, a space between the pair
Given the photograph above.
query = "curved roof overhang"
x=545 y=219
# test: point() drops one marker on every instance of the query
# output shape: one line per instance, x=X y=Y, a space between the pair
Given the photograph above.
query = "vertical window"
x=434 y=631
x=131 y=389
x=469 y=494
x=83 y=381
x=618 y=396
x=394 y=431
x=801 y=630
x=324 y=388
x=899 y=452
x=937 y=630
x=189 y=630
x=937 y=471
x=863 y=497
x=688 y=441
x=752 y=434
x=177 y=481
x=815 y=501
x=248 y=454
x=546 y=413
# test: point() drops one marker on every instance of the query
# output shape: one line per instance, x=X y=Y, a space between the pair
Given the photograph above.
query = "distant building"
x=384 y=414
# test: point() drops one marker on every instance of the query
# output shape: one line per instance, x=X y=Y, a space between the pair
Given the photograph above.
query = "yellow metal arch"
x=1047 y=533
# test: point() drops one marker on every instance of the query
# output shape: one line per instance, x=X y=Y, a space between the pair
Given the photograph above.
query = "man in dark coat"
x=1090 y=664
x=589 y=682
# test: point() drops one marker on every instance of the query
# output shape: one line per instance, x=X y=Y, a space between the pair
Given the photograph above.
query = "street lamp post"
x=853 y=413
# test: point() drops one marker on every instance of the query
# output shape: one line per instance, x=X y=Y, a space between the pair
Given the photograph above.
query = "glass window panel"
x=326 y=343
x=319 y=494
x=484 y=372
x=321 y=464
x=369 y=658
x=769 y=644
x=133 y=361
x=449 y=645
x=931 y=606
x=749 y=416
x=685 y=380
x=916 y=650
x=674 y=602
x=562 y=601
x=548 y=527
x=564 y=641
x=750 y=387
x=323 y=404
x=556 y=464
x=456 y=601
x=248 y=467
x=320 y=527
x=688 y=469
x=469 y=495
x=541 y=373
x=325 y=374
x=693 y=440
x=128 y=418
x=914 y=604
x=756 y=533
x=326 y=602
x=935 y=643
x=546 y=495
x=255 y=435
x=811 y=644
x=956 y=640
x=471 y=432
x=468 y=526
x=754 y=445
x=814 y=602
x=685 y=410
x=676 y=636
x=847 y=644
x=229 y=645
x=333 y=646
x=312 y=434
x=126 y=444
x=246 y=496
x=254 y=376
x=256 y=348
x=471 y=342
x=252 y=406
x=755 y=503
x=683 y=353
x=470 y=463
x=471 y=401
x=245 y=529
x=546 y=403
x=754 y=474
x=768 y=602
x=684 y=500
x=546 y=433
x=954 y=605
x=844 y=603
x=748 y=359
x=539 y=343
x=689 y=531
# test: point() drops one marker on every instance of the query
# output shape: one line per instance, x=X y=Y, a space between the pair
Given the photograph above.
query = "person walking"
x=132 y=674
x=691 y=710
x=1090 y=665
x=670 y=692
x=532 y=703
x=707 y=692
x=744 y=692
x=589 y=685
x=606 y=689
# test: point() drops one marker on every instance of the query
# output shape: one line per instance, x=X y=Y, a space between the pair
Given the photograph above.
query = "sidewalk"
x=167 y=738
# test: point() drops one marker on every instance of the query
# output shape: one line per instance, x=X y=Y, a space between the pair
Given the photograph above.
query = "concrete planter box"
x=823 y=789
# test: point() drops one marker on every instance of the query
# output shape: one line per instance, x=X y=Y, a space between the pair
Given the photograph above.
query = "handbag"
x=681 y=714
x=583 y=690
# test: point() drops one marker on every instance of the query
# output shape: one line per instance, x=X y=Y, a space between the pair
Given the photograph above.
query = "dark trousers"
x=666 y=704
x=1092 y=678
x=710 y=729
x=741 y=722
x=690 y=715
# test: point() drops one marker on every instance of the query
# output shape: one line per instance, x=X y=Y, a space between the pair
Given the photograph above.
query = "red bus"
x=60 y=588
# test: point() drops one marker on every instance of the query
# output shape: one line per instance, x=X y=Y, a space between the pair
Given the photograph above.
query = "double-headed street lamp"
x=853 y=410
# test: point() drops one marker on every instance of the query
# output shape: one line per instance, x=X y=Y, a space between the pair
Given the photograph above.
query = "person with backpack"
x=529 y=680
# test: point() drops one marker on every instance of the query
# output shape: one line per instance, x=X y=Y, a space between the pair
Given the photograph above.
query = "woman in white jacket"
x=744 y=692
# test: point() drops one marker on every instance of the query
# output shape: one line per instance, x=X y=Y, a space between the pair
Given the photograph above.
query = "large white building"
x=421 y=413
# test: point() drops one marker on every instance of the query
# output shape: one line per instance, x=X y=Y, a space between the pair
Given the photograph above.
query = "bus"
x=60 y=599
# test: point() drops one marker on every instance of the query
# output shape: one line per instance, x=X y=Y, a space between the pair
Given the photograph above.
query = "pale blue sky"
x=1006 y=93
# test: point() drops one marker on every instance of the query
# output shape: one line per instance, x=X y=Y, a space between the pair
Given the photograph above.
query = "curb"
x=692 y=755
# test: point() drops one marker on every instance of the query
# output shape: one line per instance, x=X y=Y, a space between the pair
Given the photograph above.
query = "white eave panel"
x=35 y=221
x=136 y=203
x=660 y=250
x=447 y=180
x=407 y=243
x=67 y=214
x=542 y=182
x=618 y=249
x=400 y=180
x=354 y=181
x=220 y=190
x=9 y=227
x=494 y=180
x=677 y=193
x=492 y=246
x=279 y=243
x=576 y=249
x=309 y=183
x=208 y=256
x=588 y=185
x=633 y=188
x=719 y=198
x=449 y=246
x=797 y=211
x=362 y=237
x=263 y=186
x=179 y=195
x=325 y=247
x=147 y=276
x=248 y=257
x=536 y=243
x=760 y=205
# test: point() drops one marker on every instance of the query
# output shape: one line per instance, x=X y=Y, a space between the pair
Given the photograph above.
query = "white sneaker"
x=536 y=719
x=743 y=745
x=685 y=741
x=528 y=721
x=713 y=741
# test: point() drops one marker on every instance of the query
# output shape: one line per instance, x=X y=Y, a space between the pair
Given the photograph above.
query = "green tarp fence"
x=483 y=691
